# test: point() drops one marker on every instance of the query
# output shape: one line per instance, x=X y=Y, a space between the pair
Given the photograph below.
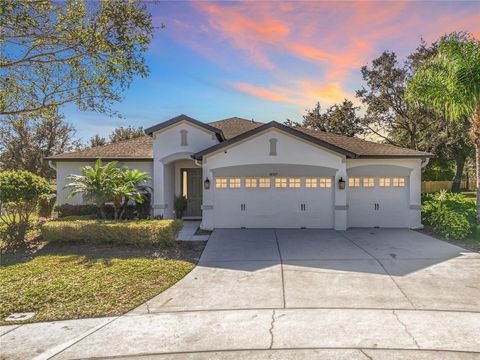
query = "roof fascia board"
x=177 y=119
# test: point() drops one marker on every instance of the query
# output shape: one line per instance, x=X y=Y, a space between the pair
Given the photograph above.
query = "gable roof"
x=233 y=130
x=349 y=146
x=182 y=117
x=140 y=148
x=235 y=126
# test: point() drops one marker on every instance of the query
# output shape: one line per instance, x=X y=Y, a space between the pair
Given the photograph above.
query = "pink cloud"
x=336 y=38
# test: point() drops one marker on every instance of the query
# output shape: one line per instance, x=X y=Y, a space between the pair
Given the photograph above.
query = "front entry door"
x=193 y=191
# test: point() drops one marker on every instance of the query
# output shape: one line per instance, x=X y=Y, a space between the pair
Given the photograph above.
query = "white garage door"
x=273 y=202
x=378 y=202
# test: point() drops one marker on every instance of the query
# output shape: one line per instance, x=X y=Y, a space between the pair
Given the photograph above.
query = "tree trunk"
x=457 y=180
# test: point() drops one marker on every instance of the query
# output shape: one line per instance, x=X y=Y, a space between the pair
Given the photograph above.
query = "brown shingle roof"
x=235 y=129
x=359 y=146
x=235 y=126
x=140 y=148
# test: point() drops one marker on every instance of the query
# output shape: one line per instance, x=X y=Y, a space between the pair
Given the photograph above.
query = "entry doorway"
x=192 y=190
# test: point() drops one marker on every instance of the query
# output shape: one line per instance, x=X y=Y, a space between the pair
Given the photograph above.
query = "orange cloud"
x=303 y=93
x=259 y=92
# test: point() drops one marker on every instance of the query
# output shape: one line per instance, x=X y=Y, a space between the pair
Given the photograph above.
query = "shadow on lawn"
x=90 y=253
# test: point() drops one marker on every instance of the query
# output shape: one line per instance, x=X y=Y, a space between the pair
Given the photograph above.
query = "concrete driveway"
x=291 y=294
x=361 y=269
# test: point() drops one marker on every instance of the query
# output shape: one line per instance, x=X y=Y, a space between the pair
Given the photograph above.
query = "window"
x=294 y=182
x=264 y=182
x=325 y=182
x=353 y=182
x=368 y=182
x=280 y=182
x=220 y=183
x=311 y=182
x=384 y=182
x=398 y=182
x=183 y=138
x=273 y=147
x=235 y=183
x=250 y=182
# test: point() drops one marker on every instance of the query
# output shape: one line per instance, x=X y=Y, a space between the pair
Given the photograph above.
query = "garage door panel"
x=378 y=206
x=273 y=207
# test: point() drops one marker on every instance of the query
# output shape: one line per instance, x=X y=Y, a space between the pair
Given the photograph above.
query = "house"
x=240 y=173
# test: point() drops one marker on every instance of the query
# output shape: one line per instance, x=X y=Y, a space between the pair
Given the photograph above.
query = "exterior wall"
x=169 y=154
x=66 y=168
x=396 y=167
x=290 y=150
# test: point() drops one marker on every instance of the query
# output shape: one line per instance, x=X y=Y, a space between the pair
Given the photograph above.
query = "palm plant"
x=102 y=183
x=97 y=184
x=129 y=187
x=449 y=83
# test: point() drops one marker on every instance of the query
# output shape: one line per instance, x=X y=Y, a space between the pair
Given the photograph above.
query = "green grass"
x=70 y=282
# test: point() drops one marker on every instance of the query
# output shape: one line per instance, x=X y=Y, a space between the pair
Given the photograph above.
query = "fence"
x=434 y=186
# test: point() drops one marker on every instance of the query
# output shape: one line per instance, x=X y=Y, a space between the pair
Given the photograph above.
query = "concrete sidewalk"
x=246 y=330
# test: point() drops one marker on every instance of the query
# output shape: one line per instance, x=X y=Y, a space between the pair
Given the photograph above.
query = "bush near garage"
x=137 y=211
x=449 y=214
x=141 y=233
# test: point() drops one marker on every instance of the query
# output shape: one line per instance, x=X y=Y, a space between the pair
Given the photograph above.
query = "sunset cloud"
x=311 y=51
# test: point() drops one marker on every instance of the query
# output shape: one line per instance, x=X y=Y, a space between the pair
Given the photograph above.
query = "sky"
x=269 y=60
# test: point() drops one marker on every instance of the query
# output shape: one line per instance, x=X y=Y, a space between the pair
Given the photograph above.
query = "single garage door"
x=378 y=201
x=273 y=202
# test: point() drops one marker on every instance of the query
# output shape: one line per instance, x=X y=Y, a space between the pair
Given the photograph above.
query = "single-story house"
x=240 y=173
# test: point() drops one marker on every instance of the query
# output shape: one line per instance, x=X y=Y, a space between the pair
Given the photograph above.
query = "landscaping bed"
x=61 y=281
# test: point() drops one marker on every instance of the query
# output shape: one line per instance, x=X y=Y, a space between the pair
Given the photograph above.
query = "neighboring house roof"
x=349 y=146
x=236 y=129
x=182 y=117
x=140 y=148
x=235 y=126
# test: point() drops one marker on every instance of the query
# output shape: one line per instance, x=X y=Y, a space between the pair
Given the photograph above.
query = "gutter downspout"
x=51 y=164
x=425 y=162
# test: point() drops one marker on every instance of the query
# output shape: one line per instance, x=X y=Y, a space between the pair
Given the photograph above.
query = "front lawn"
x=68 y=281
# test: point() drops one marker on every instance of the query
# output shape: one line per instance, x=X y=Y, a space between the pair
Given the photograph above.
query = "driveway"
x=361 y=269
x=291 y=294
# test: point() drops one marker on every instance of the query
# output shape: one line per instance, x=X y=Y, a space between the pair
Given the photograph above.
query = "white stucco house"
x=239 y=173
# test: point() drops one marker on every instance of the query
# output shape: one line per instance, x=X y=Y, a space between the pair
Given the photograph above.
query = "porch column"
x=162 y=189
x=158 y=189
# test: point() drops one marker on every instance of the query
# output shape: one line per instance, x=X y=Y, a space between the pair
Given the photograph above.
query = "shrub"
x=19 y=195
x=137 y=211
x=449 y=214
x=139 y=233
x=46 y=203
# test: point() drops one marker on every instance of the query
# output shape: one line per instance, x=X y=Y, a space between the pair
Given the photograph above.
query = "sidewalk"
x=352 y=332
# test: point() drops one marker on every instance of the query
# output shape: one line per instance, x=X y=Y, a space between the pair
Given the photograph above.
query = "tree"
x=25 y=139
x=388 y=112
x=97 y=140
x=392 y=118
x=126 y=133
x=338 y=119
x=81 y=52
x=102 y=183
x=19 y=195
x=449 y=83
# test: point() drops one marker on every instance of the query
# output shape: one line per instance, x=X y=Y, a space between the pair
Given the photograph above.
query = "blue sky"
x=268 y=60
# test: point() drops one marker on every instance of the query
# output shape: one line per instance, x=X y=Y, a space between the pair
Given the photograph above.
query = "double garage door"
x=287 y=202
